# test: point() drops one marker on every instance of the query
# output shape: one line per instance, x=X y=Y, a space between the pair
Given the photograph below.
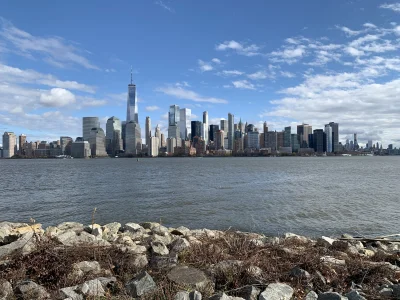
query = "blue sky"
x=284 y=62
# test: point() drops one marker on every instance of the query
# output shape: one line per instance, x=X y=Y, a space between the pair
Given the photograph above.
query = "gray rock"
x=6 y=291
x=140 y=285
x=97 y=232
x=354 y=295
x=333 y=261
x=165 y=239
x=299 y=273
x=112 y=228
x=74 y=226
x=277 y=291
x=164 y=262
x=160 y=230
x=24 y=241
x=311 y=296
x=133 y=227
x=5 y=232
x=331 y=296
x=149 y=225
x=223 y=296
x=134 y=249
x=179 y=245
x=92 y=288
x=325 y=241
x=180 y=231
x=292 y=236
x=249 y=293
x=228 y=265
x=188 y=276
x=29 y=290
x=396 y=290
x=386 y=292
x=140 y=261
x=340 y=245
x=347 y=236
x=71 y=238
x=107 y=282
x=182 y=296
x=195 y=295
x=158 y=248
x=70 y=293
x=87 y=267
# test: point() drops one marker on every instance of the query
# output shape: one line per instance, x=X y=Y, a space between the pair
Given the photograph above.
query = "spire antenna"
x=131 y=76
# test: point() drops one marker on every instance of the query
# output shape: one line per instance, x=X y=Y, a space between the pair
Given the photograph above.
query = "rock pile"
x=151 y=261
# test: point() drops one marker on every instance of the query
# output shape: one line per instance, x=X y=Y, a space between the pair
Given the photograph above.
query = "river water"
x=312 y=196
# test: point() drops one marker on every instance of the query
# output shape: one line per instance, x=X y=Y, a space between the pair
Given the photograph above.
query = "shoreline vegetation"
x=151 y=261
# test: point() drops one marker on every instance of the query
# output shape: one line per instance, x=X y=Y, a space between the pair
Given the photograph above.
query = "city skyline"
x=272 y=66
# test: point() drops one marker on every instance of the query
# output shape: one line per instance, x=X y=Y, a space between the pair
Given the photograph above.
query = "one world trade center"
x=132 y=108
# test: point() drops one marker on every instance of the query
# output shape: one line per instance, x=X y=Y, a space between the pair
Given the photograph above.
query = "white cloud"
x=251 y=50
x=152 y=108
x=348 y=31
x=183 y=83
x=369 y=25
x=230 y=73
x=258 y=75
x=181 y=93
x=57 y=97
x=110 y=70
x=216 y=61
x=354 y=52
x=288 y=74
x=288 y=54
x=17 y=75
x=393 y=6
x=54 y=50
x=243 y=84
x=163 y=5
x=205 y=67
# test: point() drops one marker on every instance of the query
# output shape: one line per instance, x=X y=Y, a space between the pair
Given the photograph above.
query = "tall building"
x=271 y=140
x=295 y=142
x=219 y=140
x=319 y=140
x=154 y=146
x=355 y=142
x=88 y=124
x=280 y=139
x=335 y=136
x=21 y=144
x=66 y=144
x=157 y=132
x=328 y=138
x=370 y=144
x=133 y=138
x=287 y=137
x=173 y=121
x=231 y=130
x=196 y=129
x=163 y=142
x=9 y=144
x=132 y=107
x=224 y=126
x=113 y=124
x=253 y=140
x=97 y=141
x=148 y=131
x=184 y=122
x=205 y=128
x=213 y=132
x=265 y=127
x=303 y=131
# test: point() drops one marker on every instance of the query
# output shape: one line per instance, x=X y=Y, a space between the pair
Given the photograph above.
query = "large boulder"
x=71 y=238
x=70 y=293
x=297 y=272
x=190 y=277
x=249 y=292
x=158 y=248
x=25 y=243
x=29 y=290
x=311 y=296
x=83 y=268
x=140 y=285
x=92 y=288
x=331 y=296
x=6 y=290
x=179 y=245
x=355 y=295
x=183 y=295
x=224 y=296
x=277 y=291
x=74 y=226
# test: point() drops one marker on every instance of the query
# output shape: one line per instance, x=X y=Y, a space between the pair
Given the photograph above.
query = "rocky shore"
x=150 y=261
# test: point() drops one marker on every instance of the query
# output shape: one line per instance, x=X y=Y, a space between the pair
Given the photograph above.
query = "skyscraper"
x=148 y=131
x=253 y=141
x=133 y=138
x=287 y=137
x=213 y=131
x=21 y=144
x=231 y=132
x=355 y=142
x=271 y=140
x=97 y=141
x=184 y=122
x=88 y=124
x=132 y=107
x=173 y=121
x=335 y=136
x=113 y=124
x=219 y=140
x=224 y=126
x=328 y=136
x=158 y=133
x=205 y=127
x=319 y=141
x=9 y=144
x=196 y=129
x=303 y=132
x=265 y=125
x=66 y=144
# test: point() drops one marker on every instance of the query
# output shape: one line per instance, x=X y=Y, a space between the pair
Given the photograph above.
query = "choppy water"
x=312 y=196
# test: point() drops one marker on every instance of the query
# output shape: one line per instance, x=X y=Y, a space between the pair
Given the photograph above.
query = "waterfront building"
x=287 y=141
x=231 y=131
x=303 y=132
x=81 y=149
x=171 y=144
x=113 y=125
x=271 y=140
x=133 y=138
x=224 y=127
x=205 y=134
x=238 y=144
x=219 y=141
x=158 y=134
x=253 y=141
x=88 y=124
x=249 y=128
x=328 y=135
x=9 y=144
x=196 y=129
x=123 y=134
x=97 y=141
x=213 y=132
x=279 y=139
x=173 y=121
x=200 y=146
x=369 y=145
x=319 y=141
x=132 y=105
x=148 y=131
x=154 y=146
x=262 y=140
x=21 y=144
x=65 y=145
x=184 y=122
x=265 y=127
x=163 y=142
x=335 y=136
x=355 y=142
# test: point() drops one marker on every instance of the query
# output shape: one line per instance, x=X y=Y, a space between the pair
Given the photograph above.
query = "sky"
x=283 y=62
